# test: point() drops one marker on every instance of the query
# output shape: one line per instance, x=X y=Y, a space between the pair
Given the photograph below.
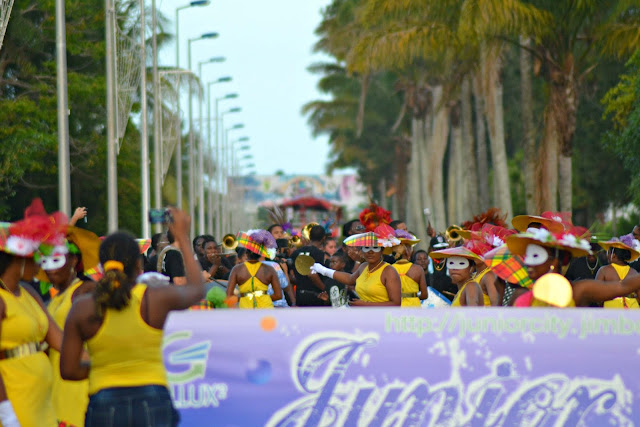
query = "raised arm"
x=169 y=298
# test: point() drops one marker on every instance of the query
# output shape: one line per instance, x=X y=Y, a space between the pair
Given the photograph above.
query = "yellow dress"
x=629 y=301
x=70 y=398
x=126 y=351
x=369 y=285
x=410 y=287
x=253 y=292
x=476 y=279
x=27 y=379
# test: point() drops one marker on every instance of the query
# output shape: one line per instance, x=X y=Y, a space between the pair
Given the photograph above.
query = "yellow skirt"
x=70 y=398
x=411 y=302
x=263 y=301
x=28 y=381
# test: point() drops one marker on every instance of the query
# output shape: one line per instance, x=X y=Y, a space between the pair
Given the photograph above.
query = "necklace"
x=3 y=286
x=592 y=269
x=371 y=270
x=438 y=265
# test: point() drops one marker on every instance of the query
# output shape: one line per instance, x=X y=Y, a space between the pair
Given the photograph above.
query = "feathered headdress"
x=493 y=216
x=373 y=216
x=278 y=216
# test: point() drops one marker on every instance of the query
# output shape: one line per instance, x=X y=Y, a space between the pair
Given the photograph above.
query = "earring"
x=552 y=268
x=22 y=268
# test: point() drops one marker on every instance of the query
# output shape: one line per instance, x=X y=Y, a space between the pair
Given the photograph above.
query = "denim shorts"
x=146 y=406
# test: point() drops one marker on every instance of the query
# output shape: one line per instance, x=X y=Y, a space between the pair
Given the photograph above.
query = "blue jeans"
x=146 y=406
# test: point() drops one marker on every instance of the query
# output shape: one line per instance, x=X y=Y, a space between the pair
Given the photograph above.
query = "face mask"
x=535 y=255
x=52 y=262
x=371 y=249
x=457 y=263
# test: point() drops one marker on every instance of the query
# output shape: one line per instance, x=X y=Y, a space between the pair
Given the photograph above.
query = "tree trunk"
x=403 y=157
x=547 y=187
x=451 y=177
x=414 y=215
x=565 y=182
x=437 y=151
x=528 y=131
x=470 y=178
x=458 y=194
x=484 y=198
x=382 y=191
x=492 y=67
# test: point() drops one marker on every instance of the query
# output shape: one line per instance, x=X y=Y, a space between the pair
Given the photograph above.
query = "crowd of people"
x=81 y=317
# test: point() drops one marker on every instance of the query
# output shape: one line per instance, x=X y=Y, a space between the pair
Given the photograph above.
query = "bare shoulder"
x=32 y=292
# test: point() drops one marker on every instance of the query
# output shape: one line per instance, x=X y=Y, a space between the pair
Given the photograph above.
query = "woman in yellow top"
x=620 y=253
x=547 y=253
x=412 y=277
x=376 y=282
x=25 y=326
x=461 y=263
x=121 y=324
x=62 y=266
x=253 y=277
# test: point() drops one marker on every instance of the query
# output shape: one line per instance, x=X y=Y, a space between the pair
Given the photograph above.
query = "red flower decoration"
x=373 y=216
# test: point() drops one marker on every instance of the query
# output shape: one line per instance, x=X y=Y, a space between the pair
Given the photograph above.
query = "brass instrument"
x=295 y=242
x=453 y=233
x=229 y=243
x=306 y=230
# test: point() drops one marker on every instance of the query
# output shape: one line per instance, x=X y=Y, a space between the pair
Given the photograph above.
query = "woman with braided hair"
x=121 y=322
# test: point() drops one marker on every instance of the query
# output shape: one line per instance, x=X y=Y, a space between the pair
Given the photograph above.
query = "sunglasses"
x=371 y=249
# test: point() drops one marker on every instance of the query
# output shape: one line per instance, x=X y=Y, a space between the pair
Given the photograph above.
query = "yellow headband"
x=113 y=265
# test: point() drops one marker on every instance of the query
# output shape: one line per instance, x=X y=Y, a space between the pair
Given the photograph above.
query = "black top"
x=151 y=264
x=581 y=269
x=440 y=281
x=635 y=265
x=206 y=266
x=304 y=282
x=173 y=265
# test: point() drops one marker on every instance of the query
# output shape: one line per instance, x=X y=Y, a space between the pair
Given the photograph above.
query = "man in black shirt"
x=308 y=287
x=171 y=263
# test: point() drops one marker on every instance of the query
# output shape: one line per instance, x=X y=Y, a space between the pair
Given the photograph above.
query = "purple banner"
x=405 y=367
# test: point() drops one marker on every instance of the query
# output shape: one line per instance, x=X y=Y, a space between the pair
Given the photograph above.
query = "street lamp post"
x=191 y=134
x=144 y=135
x=178 y=152
x=218 y=151
x=225 y=148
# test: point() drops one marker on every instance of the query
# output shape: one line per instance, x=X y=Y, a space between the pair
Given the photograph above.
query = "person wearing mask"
x=461 y=266
x=25 y=325
x=546 y=253
x=63 y=266
x=376 y=282
x=254 y=277
x=121 y=324
x=310 y=286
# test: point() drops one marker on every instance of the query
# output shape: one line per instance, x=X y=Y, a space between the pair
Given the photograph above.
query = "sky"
x=268 y=46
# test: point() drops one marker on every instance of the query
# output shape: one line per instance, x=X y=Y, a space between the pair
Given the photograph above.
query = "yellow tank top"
x=27 y=379
x=409 y=286
x=70 y=398
x=126 y=352
x=253 y=292
x=369 y=285
x=622 y=302
x=485 y=298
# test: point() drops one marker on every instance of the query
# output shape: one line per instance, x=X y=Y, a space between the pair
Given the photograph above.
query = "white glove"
x=8 y=416
x=318 y=268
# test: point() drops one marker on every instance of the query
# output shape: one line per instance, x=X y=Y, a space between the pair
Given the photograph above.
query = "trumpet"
x=453 y=233
x=229 y=242
x=306 y=230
